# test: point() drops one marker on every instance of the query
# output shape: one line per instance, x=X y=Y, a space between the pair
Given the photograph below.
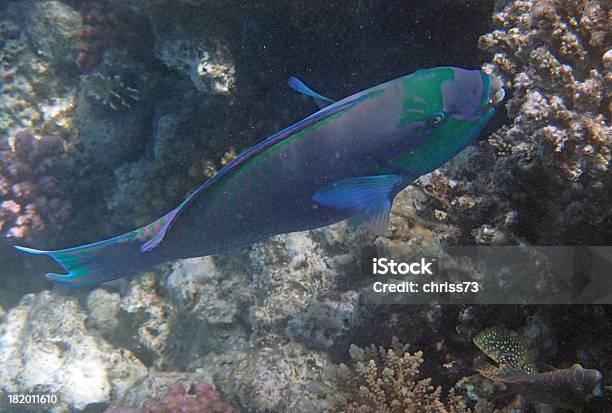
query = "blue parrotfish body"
x=346 y=161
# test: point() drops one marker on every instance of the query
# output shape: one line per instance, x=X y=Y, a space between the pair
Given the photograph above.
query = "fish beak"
x=497 y=90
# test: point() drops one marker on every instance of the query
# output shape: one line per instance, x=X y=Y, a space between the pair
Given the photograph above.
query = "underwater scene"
x=358 y=206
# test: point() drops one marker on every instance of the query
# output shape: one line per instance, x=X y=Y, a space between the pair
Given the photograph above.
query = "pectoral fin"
x=369 y=198
x=486 y=369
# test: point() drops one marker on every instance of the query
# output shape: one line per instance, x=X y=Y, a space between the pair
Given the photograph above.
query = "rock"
x=155 y=386
x=113 y=108
x=148 y=316
x=103 y=309
x=109 y=137
x=323 y=322
x=39 y=352
x=54 y=28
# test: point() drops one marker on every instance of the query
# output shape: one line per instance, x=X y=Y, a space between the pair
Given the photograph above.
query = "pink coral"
x=199 y=398
x=31 y=200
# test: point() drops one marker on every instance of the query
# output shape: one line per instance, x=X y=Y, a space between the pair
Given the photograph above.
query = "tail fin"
x=109 y=259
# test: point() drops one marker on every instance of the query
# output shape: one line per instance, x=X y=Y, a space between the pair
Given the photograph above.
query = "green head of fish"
x=450 y=107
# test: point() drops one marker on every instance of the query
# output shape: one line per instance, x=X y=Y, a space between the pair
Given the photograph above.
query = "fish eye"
x=497 y=96
x=437 y=118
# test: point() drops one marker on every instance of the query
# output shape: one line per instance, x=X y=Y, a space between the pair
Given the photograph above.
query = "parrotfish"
x=567 y=388
x=346 y=161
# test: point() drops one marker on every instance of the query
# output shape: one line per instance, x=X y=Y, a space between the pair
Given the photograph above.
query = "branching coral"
x=30 y=198
x=387 y=381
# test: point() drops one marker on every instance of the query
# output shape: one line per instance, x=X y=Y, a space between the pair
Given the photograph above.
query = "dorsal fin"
x=507 y=349
x=299 y=86
x=543 y=367
x=157 y=230
x=169 y=218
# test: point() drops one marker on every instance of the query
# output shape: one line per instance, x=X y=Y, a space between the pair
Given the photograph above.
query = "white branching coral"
x=386 y=380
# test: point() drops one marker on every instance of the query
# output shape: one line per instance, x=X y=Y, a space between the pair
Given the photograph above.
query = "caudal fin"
x=109 y=259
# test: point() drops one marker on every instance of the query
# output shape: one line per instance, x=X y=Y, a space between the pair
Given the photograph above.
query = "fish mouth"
x=497 y=93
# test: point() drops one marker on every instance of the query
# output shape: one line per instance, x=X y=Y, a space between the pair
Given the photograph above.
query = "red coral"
x=199 y=398
x=30 y=197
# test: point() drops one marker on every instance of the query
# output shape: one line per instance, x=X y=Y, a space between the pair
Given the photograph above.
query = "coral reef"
x=172 y=89
x=388 y=380
x=114 y=95
x=110 y=90
x=548 y=174
x=548 y=171
x=32 y=203
x=36 y=94
x=116 y=84
x=325 y=321
x=553 y=53
x=194 y=397
x=53 y=27
x=173 y=393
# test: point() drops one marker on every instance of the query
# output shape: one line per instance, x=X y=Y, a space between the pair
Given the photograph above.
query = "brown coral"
x=387 y=381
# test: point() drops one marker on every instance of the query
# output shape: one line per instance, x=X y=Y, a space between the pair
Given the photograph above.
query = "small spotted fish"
x=567 y=388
